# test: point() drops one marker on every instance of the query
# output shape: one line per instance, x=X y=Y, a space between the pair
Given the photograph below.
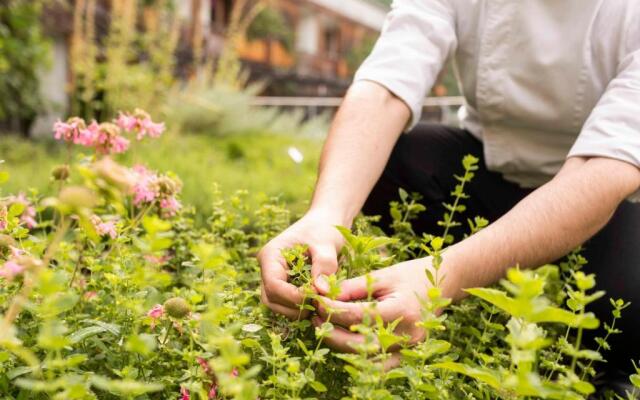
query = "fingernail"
x=322 y=283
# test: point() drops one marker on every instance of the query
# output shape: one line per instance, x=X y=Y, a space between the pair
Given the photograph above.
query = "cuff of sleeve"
x=588 y=148
x=398 y=90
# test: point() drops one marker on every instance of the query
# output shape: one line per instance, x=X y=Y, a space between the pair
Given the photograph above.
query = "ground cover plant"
x=251 y=162
x=109 y=290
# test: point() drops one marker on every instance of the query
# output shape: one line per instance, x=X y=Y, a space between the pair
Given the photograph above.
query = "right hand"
x=317 y=231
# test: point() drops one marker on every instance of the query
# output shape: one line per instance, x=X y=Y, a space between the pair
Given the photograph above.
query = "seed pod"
x=177 y=307
x=60 y=173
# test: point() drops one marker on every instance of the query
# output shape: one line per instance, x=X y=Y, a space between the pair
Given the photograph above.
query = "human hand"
x=398 y=292
x=317 y=231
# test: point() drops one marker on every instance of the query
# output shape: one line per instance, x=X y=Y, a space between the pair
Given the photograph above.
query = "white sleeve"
x=417 y=38
x=613 y=128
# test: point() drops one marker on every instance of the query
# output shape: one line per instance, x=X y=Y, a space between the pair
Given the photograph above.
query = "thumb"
x=324 y=261
x=356 y=288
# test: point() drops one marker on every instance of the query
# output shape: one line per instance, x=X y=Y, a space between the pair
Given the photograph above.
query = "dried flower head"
x=60 y=173
x=177 y=307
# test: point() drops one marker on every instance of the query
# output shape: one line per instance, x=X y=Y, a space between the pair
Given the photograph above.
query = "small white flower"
x=295 y=155
x=251 y=328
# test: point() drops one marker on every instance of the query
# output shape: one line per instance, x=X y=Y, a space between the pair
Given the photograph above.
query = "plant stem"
x=166 y=335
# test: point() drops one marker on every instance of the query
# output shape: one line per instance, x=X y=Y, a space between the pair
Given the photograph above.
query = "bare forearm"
x=545 y=225
x=360 y=140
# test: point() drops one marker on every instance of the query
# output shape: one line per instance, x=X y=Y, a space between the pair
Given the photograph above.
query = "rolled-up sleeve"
x=613 y=128
x=417 y=38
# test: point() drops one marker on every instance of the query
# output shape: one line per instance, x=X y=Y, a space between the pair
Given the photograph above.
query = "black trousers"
x=425 y=160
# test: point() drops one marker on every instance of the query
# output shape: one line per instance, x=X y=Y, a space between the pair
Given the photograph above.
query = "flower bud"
x=77 y=197
x=177 y=307
x=60 y=173
x=114 y=174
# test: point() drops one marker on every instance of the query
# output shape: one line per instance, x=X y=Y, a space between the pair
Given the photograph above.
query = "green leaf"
x=494 y=296
x=403 y=194
x=487 y=376
x=143 y=344
x=19 y=371
x=534 y=313
x=16 y=209
x=125 y=387
x=303 y=347
x=113 y=328
x=583 y=387
x=84 y=333
x=635 y=380
x=318 y=386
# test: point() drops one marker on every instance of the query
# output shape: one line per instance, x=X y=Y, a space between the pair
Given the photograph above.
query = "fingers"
x=292 y=313
x=393 y=361
x=356 y=288
x=348 y=314
x=324 y=261
x=274 y=278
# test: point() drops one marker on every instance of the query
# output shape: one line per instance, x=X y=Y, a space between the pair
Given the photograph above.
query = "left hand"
x=398 y=292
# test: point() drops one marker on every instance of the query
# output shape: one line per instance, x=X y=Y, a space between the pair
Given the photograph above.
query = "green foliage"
x=23 y=49
x=165 y=307
x=218 y=109
x=131 y=66
x=256 y=162
x=270 y=23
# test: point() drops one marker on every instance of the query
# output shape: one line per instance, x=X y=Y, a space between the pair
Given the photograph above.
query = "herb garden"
x=108 y=289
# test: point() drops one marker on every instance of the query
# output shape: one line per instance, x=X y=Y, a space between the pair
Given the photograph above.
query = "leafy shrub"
x=208 y=108
x=23 y=49
x=108 y=290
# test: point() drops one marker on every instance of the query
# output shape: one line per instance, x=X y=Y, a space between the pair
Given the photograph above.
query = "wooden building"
x=329 y=39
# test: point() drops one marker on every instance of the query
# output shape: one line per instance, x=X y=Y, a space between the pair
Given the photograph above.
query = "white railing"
x=444 y=110
x=334 y=102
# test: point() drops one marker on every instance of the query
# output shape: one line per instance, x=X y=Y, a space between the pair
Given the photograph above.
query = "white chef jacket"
x=542 y=79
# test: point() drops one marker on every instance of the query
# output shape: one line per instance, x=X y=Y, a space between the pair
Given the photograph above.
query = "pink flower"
x=28 y=217
x=109 y=139
x=170 y=206
x=145 y=189
x=234 y=373
x=140 y=123
x=127 y=122
x=70 y=130
x=151 y=128
x=107 y=228
x=119 y=145
x=29 y=214
x=155 y=314
x=90 y=295
x=4 y=215
x=213 y=392
x=153 y=189
x=185 y=393
x=11 y=269
x=204 y=364
x=87 y=137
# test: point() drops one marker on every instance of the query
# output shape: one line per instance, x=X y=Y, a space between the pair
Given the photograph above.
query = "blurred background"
x=246 y=87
